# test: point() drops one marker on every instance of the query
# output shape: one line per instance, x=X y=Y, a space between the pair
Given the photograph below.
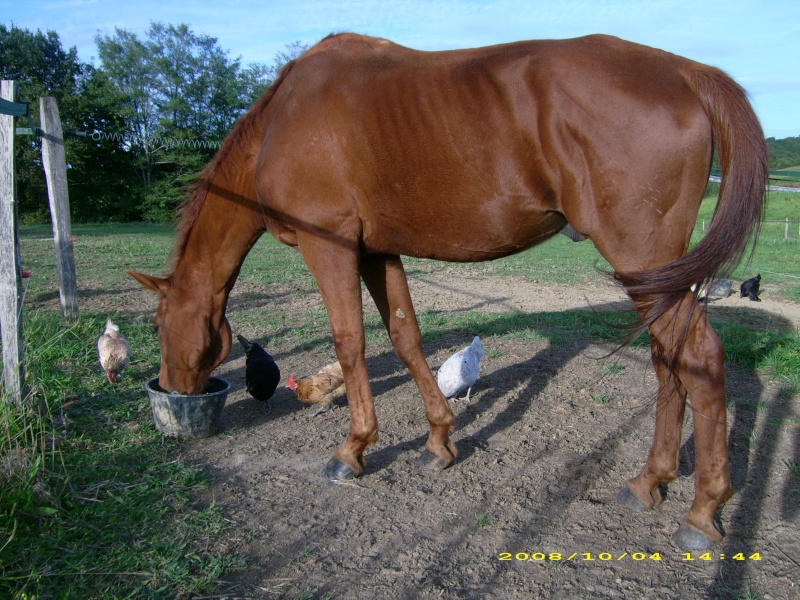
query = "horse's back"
x=483 y=150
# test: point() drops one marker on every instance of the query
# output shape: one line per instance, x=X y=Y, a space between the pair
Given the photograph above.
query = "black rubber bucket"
x=196 y=415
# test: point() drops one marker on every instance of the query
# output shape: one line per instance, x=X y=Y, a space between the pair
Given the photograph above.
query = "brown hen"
x=320 y=388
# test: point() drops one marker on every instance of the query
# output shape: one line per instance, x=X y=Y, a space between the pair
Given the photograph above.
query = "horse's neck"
x=226 y=218
x=227 y=225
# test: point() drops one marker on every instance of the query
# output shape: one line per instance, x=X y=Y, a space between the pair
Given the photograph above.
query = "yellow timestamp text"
x=581 y=556
x=617 y=556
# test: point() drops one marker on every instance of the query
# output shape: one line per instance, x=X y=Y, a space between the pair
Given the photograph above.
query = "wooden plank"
x=55 y=169
x=10 y=272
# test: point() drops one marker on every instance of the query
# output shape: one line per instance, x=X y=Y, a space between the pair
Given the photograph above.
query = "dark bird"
x=750 y=287
x=112 y=348
x=261 y=374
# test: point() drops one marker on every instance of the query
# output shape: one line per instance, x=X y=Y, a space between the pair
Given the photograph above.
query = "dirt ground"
x=549 y=437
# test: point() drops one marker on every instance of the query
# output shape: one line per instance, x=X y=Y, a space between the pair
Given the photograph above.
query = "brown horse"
x=363 y=151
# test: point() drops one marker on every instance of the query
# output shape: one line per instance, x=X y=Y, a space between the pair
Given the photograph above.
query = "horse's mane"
x=243 y=129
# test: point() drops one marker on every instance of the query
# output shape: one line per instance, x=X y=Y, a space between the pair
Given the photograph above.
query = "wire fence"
x=140 y=140
x=788 y=229
x=772 y=188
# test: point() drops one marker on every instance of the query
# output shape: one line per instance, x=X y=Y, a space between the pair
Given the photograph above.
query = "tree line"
x=157 y=106
x=151 y=98
x=784 y=153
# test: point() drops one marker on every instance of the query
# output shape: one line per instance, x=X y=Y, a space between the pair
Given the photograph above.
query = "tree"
x=150 y=117
x=182 y=95
x=103 y=179
x=128 y=66
x=784 y=153
x=43 y=68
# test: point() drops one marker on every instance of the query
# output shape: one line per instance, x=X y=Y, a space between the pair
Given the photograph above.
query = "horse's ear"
x=156 y=284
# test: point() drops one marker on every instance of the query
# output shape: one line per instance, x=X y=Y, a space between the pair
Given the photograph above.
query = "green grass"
x=774 y=257
x=95 y=504
x=107 y=248
x=483 y=520
x=112 y=248
x=774 y=353
x=601 y=398
x=613 y=369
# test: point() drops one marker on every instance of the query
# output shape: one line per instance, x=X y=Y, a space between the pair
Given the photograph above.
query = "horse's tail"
x=743 y=158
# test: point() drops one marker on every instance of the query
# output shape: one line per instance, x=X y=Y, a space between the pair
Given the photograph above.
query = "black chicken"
x=261 y=374
x=750 y=287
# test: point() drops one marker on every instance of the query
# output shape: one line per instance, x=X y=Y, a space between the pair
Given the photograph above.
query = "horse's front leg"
x=335 y=268
x=386 y=281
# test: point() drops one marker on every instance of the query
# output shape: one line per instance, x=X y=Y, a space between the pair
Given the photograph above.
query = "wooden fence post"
x=10 y=283
x=55 y=168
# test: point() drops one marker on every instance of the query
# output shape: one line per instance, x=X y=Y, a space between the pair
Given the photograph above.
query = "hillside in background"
x=784 y=153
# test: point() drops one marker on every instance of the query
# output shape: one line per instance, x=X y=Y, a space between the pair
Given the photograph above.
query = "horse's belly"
x=460 y=237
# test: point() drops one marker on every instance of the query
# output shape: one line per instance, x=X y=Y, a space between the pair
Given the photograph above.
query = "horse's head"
x=193 y=334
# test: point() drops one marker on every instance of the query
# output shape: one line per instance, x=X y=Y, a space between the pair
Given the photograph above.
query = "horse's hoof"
x=630 y=501
x=689 y=538
x=337 y=470
x=430 y=461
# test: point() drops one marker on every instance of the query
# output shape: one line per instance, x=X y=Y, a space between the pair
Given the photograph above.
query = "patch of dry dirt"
x=549 y=437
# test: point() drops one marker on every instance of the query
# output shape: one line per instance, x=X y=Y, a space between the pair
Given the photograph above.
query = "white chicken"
x=460 y=371
x=112 y=347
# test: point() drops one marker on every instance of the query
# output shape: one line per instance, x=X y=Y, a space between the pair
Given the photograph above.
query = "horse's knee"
x=349 y=349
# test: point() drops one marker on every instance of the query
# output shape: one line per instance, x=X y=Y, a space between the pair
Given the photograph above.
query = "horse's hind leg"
x=386 y=281
x=642 y=492
x=700 y=372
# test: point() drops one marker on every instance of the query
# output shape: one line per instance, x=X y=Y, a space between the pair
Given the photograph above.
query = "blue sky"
x=757 y=42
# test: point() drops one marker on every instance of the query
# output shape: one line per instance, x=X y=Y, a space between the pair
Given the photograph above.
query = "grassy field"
x=775 y=257
x=98 y=505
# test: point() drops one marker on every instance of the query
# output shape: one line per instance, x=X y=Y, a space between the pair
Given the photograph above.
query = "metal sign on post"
x=14 y=109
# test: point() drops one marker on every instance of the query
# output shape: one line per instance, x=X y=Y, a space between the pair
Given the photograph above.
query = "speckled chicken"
x=321 y=388
x=715 y=288
x=460 y=371
x=112 y=348
x=261 y=372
